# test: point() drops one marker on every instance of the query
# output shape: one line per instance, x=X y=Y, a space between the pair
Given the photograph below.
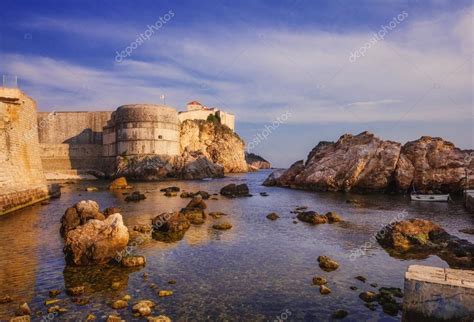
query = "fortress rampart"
x=22 y=181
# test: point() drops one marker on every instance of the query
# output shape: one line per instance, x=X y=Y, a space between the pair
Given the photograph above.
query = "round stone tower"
x=142 y=129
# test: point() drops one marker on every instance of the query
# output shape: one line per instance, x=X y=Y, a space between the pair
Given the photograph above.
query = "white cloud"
x=421 y=71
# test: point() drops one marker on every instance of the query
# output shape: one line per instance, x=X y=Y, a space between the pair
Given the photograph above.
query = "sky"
x=293 y=72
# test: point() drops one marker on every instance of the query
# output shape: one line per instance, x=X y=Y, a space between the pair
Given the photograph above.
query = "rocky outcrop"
x=96 y=241
x=418 y=238
x=189 y=165
x=366 y=163
x=256 y=162
x=433 y=165
x=170 y=227
x=216 y=142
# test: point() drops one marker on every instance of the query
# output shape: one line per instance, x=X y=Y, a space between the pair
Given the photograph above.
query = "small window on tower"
x=160 y=137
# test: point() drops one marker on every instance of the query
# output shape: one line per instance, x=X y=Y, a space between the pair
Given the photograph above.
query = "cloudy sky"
x=400 y=69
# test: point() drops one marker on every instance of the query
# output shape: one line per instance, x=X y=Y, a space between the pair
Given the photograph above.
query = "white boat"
x=420 y=197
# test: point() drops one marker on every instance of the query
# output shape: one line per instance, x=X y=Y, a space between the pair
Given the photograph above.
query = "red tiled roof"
x=194 y=103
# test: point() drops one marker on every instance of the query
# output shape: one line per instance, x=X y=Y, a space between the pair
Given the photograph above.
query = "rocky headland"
x=365 y=163
x=210 y=149
x=256 y=162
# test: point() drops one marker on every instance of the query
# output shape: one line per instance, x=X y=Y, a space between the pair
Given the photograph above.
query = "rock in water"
x=312 y=217
x=232 y=190
x=432 y=164
x=96 y=242
x=327 y=264
x=418 y=238
x=222 y=226
x=169 y=227
x=135 y=196
x=119 y=183
x=79 y=214
x=273 y=216
x=256 y=162
x=197 y=203
x=365 y=163
x=133 y=261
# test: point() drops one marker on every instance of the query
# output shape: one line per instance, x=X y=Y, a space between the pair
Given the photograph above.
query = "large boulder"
x=119 y=183
x=79 y=214
x=418 y=238
x=232 y=190
x=169 y=227
x=96 y=241
x=433 y=165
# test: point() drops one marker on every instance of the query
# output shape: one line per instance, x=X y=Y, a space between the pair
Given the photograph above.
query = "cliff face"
x=256 y=162
x=216 y=142
x=366 y=163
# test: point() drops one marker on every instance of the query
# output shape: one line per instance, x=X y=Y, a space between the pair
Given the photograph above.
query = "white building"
x=197 y=111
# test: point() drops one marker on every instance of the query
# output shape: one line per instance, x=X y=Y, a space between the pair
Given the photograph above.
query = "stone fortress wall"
x=22 y=181
x=72 y=144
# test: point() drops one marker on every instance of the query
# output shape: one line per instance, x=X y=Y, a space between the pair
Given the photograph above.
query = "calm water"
x=256 y=271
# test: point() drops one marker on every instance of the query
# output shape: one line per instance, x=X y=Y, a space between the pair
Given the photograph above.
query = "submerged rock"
x=119 y=183
x=232 y=190
x=368 y=296
x=339 y=314
x=96 y=242
x=169 y=227
x=75 y=291
x=133 y=261
x=333 y=217
x=319 y=280
x=159 y=318
x=222 y=226
x=119 y=304
x=323 y=289
x=312 y=217
x=418 y=238
x=170 y=189
x=327 y=264
x=273 y=216
x=164 y=293
x=135 y=196
x=143 y=308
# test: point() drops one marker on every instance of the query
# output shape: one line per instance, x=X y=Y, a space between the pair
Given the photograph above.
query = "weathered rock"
x=143 y=308
x=273 y=216
x=197 y=203
x=110 y=211
x=222 y=226
x=418 y=238
x=333 y=217
x=170 y=189
x=327 y=264
x=79 y=214
x=23 y=318
x=135 y=196
x=217 y=214
x=171 y=194
x=75 y=291
x=5 y=299
x=119 y=304
x=312 y=217
x=232 y=190
x=133 y=261
x=96 y=242
x=368 y=296
x=119 y=183
x=23 y=309
x=169 y=227
x=164 y=293
x=339 y=314
x=319 y=280
x=217 y=142
x=159 y=318
x=256 y=162
x=361 y=278
x=114 y=318
x=323 y=289
x=366 y=163
x=432 y=165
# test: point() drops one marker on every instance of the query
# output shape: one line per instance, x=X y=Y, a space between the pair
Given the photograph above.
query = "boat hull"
x=432 y=198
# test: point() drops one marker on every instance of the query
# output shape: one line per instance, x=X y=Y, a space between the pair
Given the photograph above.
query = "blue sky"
x=258 y=60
